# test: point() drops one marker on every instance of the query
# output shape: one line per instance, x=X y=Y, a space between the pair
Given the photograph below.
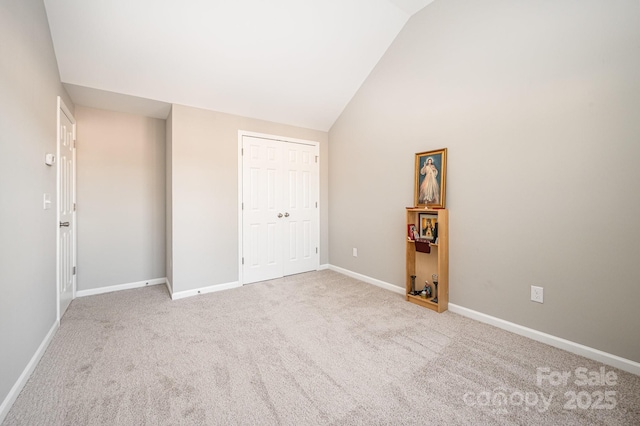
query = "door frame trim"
x=62 y=107
x=241 y=134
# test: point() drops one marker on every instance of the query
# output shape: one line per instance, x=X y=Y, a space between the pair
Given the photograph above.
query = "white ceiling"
x=296 y=62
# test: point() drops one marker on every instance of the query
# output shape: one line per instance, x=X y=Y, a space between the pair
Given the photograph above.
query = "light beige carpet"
x=316 y=348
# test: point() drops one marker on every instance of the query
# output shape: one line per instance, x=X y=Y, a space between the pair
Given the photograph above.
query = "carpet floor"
x=315 y=348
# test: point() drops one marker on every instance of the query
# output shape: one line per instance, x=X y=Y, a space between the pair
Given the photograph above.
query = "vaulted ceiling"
x=296 y=62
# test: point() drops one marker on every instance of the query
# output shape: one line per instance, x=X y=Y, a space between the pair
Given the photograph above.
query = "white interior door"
x=262 y=215
x=280 y=219
x=66 y=209
x=300 y=208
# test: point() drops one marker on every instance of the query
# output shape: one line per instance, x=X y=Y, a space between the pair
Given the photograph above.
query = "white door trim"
x=241 y=134
x=63 y=107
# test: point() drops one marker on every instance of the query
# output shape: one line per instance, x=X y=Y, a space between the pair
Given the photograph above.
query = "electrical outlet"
x=537 y=294
x=355 y=252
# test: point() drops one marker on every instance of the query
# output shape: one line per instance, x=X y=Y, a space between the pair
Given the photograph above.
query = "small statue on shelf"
x=426 y=292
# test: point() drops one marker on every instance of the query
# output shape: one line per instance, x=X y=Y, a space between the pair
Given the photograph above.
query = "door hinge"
x=74 y=207
x=242 y=206
x=316 y=204
x=74 y=270
x=316 y=250
x=316 y=158
x=243 y=260
x=241 y=151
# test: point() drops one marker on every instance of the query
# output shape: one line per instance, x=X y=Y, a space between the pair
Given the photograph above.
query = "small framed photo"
x=431 y=179
x=412 y=232
x=428 y=226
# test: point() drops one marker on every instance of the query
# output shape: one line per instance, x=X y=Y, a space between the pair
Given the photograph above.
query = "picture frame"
x=427 y=226
x=430 y=179
x=412 y=232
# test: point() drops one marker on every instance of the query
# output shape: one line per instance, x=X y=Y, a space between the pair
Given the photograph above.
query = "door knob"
x=279 y=215
x=286 y=215
x=64 y=224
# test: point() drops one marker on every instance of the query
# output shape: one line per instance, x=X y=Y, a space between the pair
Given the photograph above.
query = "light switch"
x=46 y=201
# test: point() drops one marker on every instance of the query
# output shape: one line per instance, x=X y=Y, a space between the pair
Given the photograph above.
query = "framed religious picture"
x=412 y=232
x=428 y=226
x=431 y=179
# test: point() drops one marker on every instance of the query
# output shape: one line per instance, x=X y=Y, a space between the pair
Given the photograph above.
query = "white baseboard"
x=323 y=267
x=366 y=279
x=204 y=290
x=557 y=342
x=24 y=377
x=127 y=286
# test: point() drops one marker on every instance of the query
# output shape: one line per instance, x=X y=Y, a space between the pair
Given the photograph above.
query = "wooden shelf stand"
x=423 y=265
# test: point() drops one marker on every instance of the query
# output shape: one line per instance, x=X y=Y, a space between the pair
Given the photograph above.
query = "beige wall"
x=121 y=198
x=29 y=86
x=538 y=105
x=205 y=193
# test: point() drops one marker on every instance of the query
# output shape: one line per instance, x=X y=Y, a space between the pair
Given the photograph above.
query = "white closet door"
x=280 y=219
x=262 y=198
x=300 y=206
